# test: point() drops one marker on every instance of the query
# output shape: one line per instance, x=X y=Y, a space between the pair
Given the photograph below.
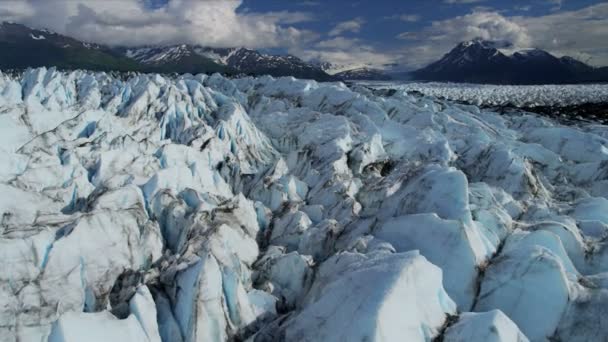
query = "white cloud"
x=523 y=8
x=443 y=35
x=349 y=59
x=484 y=9
x=353 y=25
x=210 y=23
x=338 y=43
x=15 y=10
x=581 y=34
x=129 y=22
x=408 y=18
x=347 y=52
x=557 y=4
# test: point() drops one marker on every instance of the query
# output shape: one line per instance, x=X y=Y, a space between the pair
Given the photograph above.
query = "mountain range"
x=190 y=58
x=475 y=61
x=480 y=61
x=24 y=47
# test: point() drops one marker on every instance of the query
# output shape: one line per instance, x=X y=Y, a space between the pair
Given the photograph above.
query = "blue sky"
x=384 y=22
x=381 y=16
x=352 y=33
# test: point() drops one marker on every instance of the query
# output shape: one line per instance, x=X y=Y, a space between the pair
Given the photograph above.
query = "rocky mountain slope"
x=255 y=63
x=481 y=61
x=368 y=74
x=24 y=47
x=236 y=60
x=199 y=208
x=177 y=58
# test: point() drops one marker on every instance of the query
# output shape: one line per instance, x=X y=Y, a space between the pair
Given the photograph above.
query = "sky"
x=403 y=34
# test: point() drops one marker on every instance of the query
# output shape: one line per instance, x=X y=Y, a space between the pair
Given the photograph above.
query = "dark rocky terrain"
x=481 y=61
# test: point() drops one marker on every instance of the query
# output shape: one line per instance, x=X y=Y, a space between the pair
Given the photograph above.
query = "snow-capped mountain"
x=253 y=62
x=481 y=61
x=174 y=58
x=334 y=68
x=160 y=55
x=467 y=55
x=239 y=60
x=363 y=74
x=144 y=207
x=18 y=42
x=358 y=71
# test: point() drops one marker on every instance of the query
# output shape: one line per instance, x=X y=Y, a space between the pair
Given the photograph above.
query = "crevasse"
x=203 y=208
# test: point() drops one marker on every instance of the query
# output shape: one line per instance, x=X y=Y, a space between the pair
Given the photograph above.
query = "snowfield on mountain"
x=202 y=208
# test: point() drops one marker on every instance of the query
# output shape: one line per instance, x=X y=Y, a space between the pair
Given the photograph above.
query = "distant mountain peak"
x=484 y=44
x=474 y=42
x=468 y=54
x=364 y=73
x=481 y=61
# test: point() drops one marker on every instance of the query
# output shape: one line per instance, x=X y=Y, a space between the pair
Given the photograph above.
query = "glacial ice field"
x=201 y=208
x=505 y=95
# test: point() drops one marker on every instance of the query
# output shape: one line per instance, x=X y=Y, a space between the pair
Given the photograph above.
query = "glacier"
x=528 y=96
x=144 y=207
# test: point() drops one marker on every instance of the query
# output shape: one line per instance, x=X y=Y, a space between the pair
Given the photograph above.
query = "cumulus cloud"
x=346 y=52
x=431 y=42
x=408 y=18
x=485 y=9
x=338 y=43
x=353 y=25
x=580 y=34
x=130 y=22
x=15 y=10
